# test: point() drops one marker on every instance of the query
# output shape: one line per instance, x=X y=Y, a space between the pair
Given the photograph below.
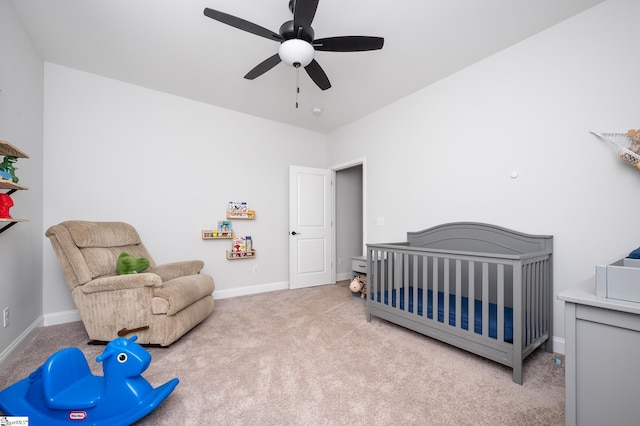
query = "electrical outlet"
x=255 y=269
x=5 y=316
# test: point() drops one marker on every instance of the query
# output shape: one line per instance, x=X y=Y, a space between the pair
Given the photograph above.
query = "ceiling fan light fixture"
x=296 y=53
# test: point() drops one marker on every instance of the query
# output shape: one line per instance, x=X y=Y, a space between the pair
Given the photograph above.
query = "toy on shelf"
x=7 y=169
x=64 y=390
x=212 y=234
x=6 y=202
x=225 y=229
x=241 y=248
x=240 y=211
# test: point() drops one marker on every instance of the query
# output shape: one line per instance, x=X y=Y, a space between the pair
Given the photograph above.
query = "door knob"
x=295 y=233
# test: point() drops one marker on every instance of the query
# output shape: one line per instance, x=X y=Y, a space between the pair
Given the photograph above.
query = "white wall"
x=21 y=89
x=169 y=166
x=445 y=153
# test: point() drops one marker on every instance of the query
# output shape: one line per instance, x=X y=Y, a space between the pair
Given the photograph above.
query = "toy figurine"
x=6 y=202
x=8 y=170
x=63 y=389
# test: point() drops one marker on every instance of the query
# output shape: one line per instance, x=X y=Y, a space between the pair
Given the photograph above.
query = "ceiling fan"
x=297 y=43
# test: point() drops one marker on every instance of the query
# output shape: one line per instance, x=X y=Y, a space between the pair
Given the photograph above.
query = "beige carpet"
x=308 y=357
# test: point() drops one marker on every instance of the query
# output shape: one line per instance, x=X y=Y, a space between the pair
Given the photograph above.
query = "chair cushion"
x=179 y=293
x=169 y=271
x=102 y=234
x=103 y=260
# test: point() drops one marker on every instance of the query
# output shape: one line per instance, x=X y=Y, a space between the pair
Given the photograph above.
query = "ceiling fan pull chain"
x=297 y=84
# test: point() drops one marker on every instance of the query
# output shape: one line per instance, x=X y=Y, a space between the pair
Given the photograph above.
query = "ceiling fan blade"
x=348 y=44
x=303 y=13
x=263 y=67
x=317 y=74
x=241 y=24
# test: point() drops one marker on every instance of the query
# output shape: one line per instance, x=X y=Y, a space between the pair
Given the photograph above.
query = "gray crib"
x=479 y=287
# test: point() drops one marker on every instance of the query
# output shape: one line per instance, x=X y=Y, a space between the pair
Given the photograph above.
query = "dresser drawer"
x=359 y=264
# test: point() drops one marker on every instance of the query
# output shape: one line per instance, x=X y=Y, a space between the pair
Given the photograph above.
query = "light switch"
x=379 y=221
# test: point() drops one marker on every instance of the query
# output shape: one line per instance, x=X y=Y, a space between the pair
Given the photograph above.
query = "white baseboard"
x=62 y=317
x=254 y=289
x=343 y=276
x=558 y=345
x=7 y=355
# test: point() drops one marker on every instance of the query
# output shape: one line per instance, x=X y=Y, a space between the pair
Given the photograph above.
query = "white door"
x=310 y=226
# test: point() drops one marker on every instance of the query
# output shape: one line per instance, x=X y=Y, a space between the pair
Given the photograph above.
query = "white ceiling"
x=170 y=46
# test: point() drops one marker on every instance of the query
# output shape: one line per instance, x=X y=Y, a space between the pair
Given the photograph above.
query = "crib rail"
x=497 y=306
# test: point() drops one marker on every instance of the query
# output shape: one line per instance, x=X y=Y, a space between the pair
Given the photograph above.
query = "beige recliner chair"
x=159 y=304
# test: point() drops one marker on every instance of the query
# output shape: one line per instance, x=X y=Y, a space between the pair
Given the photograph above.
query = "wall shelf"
x=212 y=234
x=237 y=255
x=251 y=215
x=8 y=184
x=8 y=150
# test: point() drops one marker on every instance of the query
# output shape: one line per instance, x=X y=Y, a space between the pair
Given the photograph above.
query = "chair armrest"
x=170 y=271
x=122 y=282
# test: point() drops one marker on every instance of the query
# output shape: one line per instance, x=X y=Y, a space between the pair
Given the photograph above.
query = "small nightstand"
x=358 y=266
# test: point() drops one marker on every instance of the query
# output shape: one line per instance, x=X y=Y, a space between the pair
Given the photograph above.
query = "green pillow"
x=131 y=265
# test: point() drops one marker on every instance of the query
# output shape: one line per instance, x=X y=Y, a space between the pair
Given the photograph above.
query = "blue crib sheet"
x=493 y=310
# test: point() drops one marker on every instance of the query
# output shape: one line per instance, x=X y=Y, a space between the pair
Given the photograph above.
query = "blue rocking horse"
x=63 y=390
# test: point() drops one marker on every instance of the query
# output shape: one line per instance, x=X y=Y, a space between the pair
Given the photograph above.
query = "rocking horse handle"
x=126 y=331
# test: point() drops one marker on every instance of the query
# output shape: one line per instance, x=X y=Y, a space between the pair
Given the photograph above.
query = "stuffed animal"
x=8 y=170
x=634 y=147
x=5 y=204
x=128 y=264
x=359 y=284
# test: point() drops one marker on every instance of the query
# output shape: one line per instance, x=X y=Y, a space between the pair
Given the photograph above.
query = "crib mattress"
x=493 y=310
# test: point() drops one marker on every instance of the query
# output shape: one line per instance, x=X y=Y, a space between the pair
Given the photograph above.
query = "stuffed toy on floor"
x=359 y=284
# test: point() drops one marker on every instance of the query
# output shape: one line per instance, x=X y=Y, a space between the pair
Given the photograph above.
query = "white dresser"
x=602 y=370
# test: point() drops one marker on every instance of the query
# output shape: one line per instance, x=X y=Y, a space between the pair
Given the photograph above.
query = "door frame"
x=362 y=161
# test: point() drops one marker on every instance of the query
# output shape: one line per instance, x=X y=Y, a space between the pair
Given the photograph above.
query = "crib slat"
x=540 y=309
x=391 y=273
x=373 y=273
x=415 y=285
x=471 y=317
x=546 y=297
x=485 y=299
x=459 y=294
x=529 y=295
x=397 y=279
x=435 y=299
x=404 y=283
x=445 y=317
x=425 y=286
x=527 y=285
x=384 y=274
x=500 y=304
x=533 y=322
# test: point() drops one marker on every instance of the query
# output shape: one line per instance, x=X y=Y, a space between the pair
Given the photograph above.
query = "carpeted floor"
x=309 y=357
